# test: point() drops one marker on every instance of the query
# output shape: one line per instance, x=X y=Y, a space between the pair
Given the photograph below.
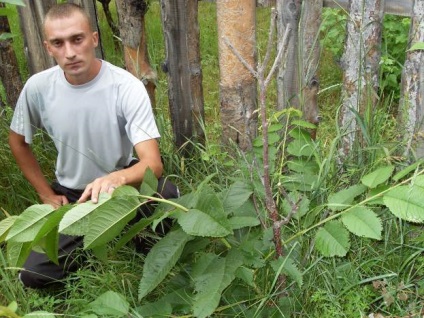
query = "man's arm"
x=30 y=168
x=149 y=156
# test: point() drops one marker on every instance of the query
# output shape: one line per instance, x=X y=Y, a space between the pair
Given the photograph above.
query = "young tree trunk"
x=360 y=62
x=9 y=70
x=411 y=106
x=91 y=9
x=288 y=73
x=31 y=21
x=108 y=14
x=132 y=30
x=182 y=65
x=238 y=88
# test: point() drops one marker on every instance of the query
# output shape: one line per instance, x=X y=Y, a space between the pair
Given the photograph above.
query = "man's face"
x=71 y=43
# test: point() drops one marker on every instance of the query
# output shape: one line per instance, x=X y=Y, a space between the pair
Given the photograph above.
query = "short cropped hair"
x=64 y=10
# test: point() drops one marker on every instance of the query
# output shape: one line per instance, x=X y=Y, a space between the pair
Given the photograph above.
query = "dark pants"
x=40 y=272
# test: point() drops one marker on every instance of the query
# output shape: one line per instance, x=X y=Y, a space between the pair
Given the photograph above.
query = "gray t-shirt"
x=94 y=126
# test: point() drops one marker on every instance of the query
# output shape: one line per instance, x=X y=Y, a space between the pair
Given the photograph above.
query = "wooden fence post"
x=411 y=106
x=31 y=21
x=181 y=32
x=360 y=62
x=132 y=31
x=9 y=71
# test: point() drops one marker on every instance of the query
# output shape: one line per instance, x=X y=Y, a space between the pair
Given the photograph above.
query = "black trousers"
x=39 y=272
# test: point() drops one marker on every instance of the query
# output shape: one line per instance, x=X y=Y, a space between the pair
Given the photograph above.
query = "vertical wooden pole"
x=238 y=87
x=411 y=106
x=181 y=32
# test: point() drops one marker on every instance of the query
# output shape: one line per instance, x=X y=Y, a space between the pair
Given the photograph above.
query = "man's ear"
x=47 y=47
x=96 y=39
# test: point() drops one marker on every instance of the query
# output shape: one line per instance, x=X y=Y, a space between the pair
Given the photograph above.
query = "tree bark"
x=9 y=70
x=31 y=22
x=360 y=62
x=238 y=88
x=411 y=107
x=132 y=30
x=183 y=67
x=288 y=73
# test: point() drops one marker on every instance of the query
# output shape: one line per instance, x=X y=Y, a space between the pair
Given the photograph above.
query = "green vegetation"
x=353 y=247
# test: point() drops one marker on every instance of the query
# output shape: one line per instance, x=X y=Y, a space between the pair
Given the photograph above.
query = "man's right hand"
x=55 y=200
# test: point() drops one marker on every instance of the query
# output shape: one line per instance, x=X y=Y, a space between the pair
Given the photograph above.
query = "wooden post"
x=288 y=73
x=132 y=32
x=411 y=106
x=31 y=22
x=238 y=88
x=9 y=70
x=181 y=32
x=360 y=62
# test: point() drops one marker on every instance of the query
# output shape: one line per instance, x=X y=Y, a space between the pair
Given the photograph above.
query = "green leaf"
x=29 y=223
x=363 y=222
x=76 y=221
x=15 y=2
x=109 y=220
x=161 y=259
x=125 y=191
x=238 y=193
x=300 y=148
x=6 y=36
x=247 y=275
x=5 y=226
x=200 y=223
x=289 y=268
x=404 y=172
x=378 y=176
x=406 y=203
x=150 y=183
x=344 y=198
x=239 y=222
x=304 y=124
x=211 y=280
x=52 y=222
x=52 y=245
x=332 y=240
x=160 y=308
x=17 y=253
x=417 y=46
x=110 y=304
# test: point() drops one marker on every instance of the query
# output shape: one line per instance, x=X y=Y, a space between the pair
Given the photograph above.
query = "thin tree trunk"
x=9 y=70
x=108 y=14
x=360 y=62
x=238 y=88
x=288 y=74
x=31 y=21
x=411 y=106
x=181 y=31
x=132 y=30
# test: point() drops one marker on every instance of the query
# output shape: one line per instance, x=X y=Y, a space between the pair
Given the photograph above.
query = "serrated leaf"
x=17 y=253
x=406 y=203
x=363 y=222
x=344 y=198
x=161 y=259
x=300 y=148
x=239 y=222
x=29 y=223
x=200 y=223
x=289 y=268
x=378 y=176
x=150 y=183
x=125 y=191
x=160 y=308
x=213 y=280
x=76 y=220
x=110 y=304
x=332 y=240
x=238 y=193
x=5 y=226
x=109 y=220
x=52 y=222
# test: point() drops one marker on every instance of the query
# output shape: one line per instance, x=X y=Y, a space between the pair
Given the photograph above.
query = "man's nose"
x=69 y=51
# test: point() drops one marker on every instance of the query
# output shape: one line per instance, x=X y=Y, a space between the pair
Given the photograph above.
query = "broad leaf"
x=110 y=304
x=160 y=308
x=52 y=222
x=289 y=268
x=417 y=46
x=406 y=203
x=378 y=176
x=300 y=148
x=125 y=191
x=51 y=247
x=212 y=280
x=109 y=220
x=344 y=198
x=200 y=223
x=363 y=222
x=5 y=226
x=29 y=223
x=17 y=253
x=238 y=193
x=150 y=183
x=332 y=240
x=161 y=259
x=239 y=222
x=76 y=221
x=404 y=172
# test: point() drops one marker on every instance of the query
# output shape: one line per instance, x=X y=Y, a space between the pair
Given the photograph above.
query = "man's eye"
x=78 y=39
x=57 y=44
